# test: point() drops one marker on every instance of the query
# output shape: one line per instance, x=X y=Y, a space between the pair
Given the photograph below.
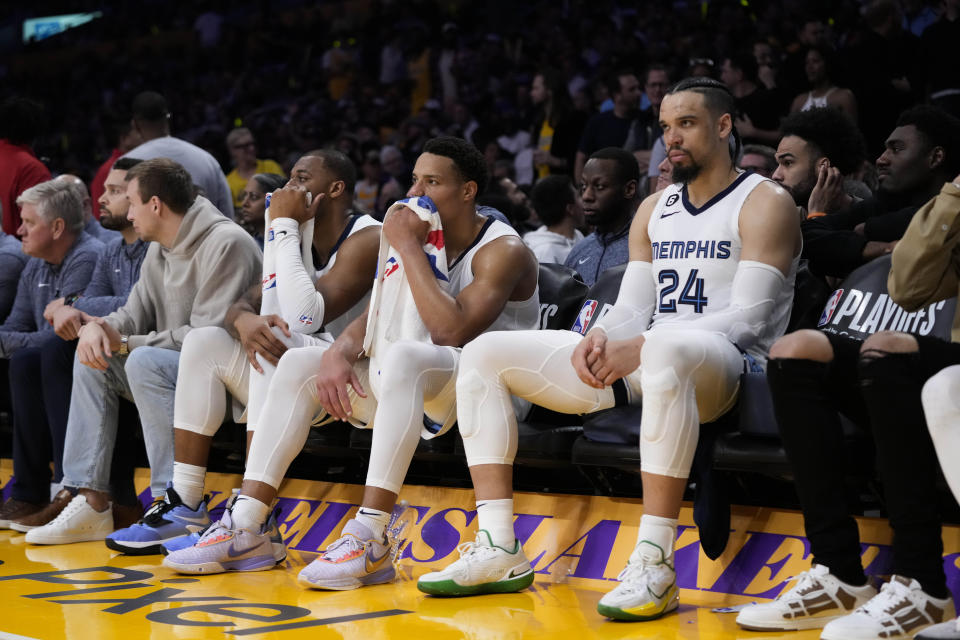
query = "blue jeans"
x=148 y=377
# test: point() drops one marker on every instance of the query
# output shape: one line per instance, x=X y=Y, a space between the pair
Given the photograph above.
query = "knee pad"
x=659 y=388
x=472 y=389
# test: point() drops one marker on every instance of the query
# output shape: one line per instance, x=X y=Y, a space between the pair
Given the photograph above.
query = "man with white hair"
x=62 y=259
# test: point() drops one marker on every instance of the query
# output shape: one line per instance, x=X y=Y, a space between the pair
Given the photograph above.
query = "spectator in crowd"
x=312 y=305
x=376 y=190
x=923 y=152
x=198 y=264
x=759 y=110
x=62 y=260
x=767 y=63
x=556 y=127
x=561 y=214
x=823 y=91
x=821 y=149
x=253 y=203
x=645 y=130
x=758 y=158
x=151 y=119
x=609 y=196
x=815 y=376
x=90 y=223
x=12 y=262
x=20 y=124
x=610 y=128
x=243 y=154
x=493 y=284
x=43 y=375
x=665 y=177
x=393 y=162
x=120 y=130
x=938 y=44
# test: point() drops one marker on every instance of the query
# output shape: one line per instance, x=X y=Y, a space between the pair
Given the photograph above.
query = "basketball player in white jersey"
x=712 y=263
x=241 y=358
x=492 y=285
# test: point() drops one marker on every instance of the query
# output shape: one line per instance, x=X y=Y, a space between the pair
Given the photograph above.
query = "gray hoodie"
x=192 y=284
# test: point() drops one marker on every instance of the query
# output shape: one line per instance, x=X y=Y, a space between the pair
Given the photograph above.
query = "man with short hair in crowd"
x=610 y=128
x=922 y=153
x=819 y=151
x=758 y=108
x=90 y=223
x=151 y=119
x=62 y=261
x=43 y=376
x=198 y=263
x=758 y=158
x=246 y=164
x=557 y=206
x=609 y=196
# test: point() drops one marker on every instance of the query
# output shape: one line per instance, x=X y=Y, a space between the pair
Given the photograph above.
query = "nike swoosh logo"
x=667 y=215
x=517 y=572
x=201 y=521
x=233 y=552
x=372 y=564
x=582 y=260
x=43 y=284
x=281 y=233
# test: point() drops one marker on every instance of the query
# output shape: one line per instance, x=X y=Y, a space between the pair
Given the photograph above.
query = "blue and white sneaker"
x=190 y=539
x=165 y=520
x=224 y=548
x=356 y=559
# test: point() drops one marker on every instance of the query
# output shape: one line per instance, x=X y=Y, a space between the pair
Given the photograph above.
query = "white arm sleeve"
x=753 y=295
x=301 y=305
x=633 y=309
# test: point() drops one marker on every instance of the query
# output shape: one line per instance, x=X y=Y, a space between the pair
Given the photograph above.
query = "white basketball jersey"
x=696 y=252
x=517 y=314
x=337 y=325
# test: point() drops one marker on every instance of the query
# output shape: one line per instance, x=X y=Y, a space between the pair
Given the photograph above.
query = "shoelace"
x=891 y=596
x=634 y=576
x=154 y=514
x=72 y=507
x=342 y=547
x=804 y=580
x=471 y=551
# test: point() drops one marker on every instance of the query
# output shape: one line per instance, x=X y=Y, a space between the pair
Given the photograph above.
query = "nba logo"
x=583 y=318
x=270 y=281
x=830 y=308
x=391 y=266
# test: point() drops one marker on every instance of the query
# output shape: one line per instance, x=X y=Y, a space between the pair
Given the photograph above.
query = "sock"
x=659 y=531
x=249 y=513
x=373 y=519
x=55 y=488
x=496 y=518
x=188 y=483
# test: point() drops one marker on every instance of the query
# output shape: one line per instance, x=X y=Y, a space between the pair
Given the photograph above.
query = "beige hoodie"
x=212 y=262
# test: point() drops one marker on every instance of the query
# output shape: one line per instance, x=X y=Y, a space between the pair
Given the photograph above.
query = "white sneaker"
x=78 y=522
x=648 y=587
x=483 y=567
x=898 y=611
x=817 y=598
x=943 y=631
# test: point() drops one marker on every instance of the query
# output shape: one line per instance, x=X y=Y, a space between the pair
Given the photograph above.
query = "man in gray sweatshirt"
x=198 y=264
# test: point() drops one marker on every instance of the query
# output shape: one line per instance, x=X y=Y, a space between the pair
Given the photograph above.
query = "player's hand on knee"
x=336 y=372
x=589 y=351
x=620 y=358
x=257 y=338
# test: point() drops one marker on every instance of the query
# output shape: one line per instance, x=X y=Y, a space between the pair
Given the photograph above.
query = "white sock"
x=249 y=513
x=659 y=531
x=55 y=488
x=188 y=483
x=373 y=519
x=496 y=518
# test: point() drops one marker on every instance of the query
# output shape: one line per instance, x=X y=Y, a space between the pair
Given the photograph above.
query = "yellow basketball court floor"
x=577 y=545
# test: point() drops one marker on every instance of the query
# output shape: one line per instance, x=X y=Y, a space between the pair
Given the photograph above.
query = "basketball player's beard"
x=686 y=173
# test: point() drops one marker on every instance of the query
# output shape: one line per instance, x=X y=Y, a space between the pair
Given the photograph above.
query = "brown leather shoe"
x=42 y=516
x=126 y=515
x=13 y=509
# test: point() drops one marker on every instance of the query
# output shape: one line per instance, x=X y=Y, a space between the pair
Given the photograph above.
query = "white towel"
x=393 y=314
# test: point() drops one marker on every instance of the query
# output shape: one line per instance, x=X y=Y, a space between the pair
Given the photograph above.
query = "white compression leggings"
x=941 y=407
x=212 y=364
x=411 y=374
x=687 y=377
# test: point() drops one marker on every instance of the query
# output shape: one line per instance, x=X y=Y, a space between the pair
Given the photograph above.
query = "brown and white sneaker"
x=13 y=509
x=900 y=610
x=44 y=515
x=817 y=598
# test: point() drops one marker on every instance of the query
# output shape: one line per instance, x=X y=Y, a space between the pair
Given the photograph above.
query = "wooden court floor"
x=577 y=545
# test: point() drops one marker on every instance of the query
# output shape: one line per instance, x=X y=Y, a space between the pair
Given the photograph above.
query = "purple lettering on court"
x=753 y=558
x=525 y=524
x=330 y=518
x=440 y=535
x=597 y=546
x=686 y=559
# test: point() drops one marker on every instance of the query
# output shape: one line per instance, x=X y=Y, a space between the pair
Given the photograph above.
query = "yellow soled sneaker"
x=648 y=587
